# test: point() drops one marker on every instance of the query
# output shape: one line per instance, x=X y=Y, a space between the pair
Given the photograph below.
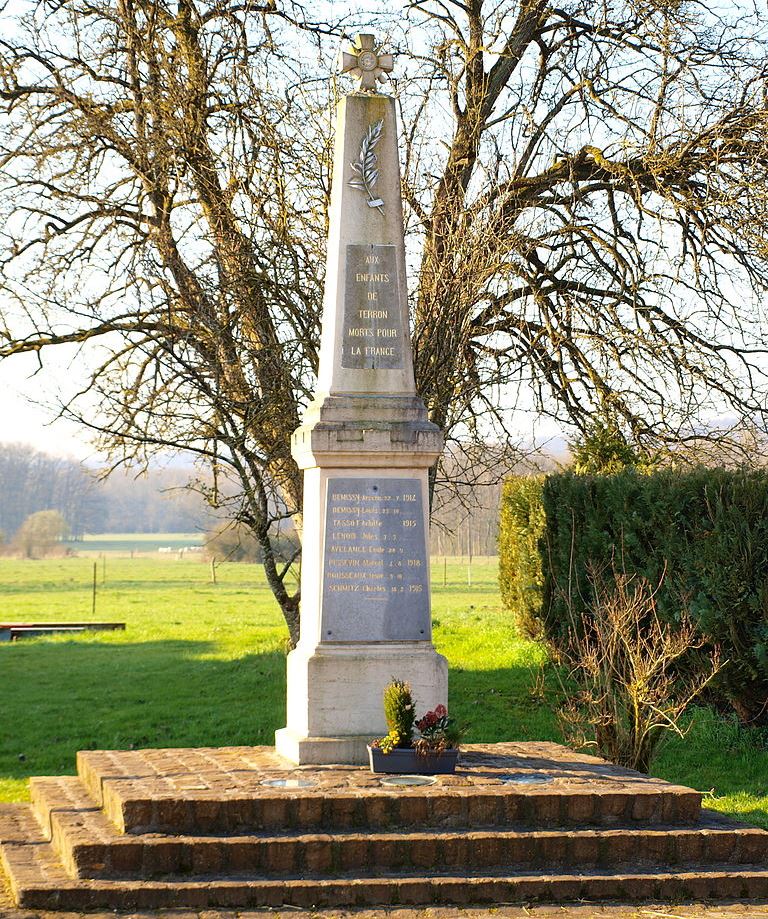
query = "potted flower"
x=435 y=750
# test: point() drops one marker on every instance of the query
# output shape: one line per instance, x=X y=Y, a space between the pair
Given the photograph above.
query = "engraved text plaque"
x=375 y=572
x=373 y=326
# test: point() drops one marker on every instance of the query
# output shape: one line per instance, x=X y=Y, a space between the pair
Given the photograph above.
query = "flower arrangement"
x=438 y=732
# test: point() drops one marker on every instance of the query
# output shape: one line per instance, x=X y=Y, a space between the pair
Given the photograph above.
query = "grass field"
x=132 y=544
x=204 y=664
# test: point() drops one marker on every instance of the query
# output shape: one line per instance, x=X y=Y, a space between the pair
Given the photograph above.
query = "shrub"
x=626 y=662
x=701 y=534
x=521 y=526
x=233 y=542
x=604 y=449
x=41 y=534
x=236 y=542
x=400 y=715
x=399 y=711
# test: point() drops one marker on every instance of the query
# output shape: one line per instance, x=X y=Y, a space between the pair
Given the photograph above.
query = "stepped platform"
x=239 y=827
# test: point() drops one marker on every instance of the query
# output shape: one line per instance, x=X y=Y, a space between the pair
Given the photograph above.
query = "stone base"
x=200 y=829
x=335 y=694
x=322 y=751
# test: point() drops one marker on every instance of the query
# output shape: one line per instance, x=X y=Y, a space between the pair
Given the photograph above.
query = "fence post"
x=93 y=600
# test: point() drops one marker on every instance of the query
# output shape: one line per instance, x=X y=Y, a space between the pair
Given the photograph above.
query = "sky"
x=28 y=409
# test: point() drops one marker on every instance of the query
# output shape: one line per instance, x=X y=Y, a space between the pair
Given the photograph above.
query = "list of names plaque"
x=375 y=571
x=373 y=326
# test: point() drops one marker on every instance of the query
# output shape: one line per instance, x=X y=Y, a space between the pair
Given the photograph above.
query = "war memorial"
x=305 y=823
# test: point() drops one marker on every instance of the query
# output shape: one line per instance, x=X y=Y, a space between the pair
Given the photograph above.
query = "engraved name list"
x=375 y=569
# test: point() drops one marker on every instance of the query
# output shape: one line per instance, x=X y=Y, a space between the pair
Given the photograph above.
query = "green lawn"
x=203 y=664
x=137 y=543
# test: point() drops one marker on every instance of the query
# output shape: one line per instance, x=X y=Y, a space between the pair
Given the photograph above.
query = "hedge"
x=701 y=534
x=521 y=526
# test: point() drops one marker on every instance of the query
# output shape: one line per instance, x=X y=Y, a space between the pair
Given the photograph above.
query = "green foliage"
x=702 y=535
x=399 y=712
x=604 y=449
x=521 y=526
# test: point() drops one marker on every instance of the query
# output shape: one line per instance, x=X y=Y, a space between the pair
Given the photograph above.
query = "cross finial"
x=365 y=63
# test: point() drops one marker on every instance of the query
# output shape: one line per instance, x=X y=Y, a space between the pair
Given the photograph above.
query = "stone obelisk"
x=365 y=446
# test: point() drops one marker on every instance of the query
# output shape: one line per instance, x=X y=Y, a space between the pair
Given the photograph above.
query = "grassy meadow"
x=204 y=664
x=133 y=544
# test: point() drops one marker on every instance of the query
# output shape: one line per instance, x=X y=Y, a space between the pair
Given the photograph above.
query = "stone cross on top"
x=365 y=63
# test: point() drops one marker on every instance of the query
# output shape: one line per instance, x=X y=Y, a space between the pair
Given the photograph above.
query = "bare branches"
x=598 y=209
x=633 y=672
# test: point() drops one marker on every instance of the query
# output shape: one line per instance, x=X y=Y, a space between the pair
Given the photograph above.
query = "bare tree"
x=597 y=221
x=586 y=190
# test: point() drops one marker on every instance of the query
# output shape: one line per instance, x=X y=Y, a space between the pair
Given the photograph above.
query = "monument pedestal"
x=365 y=614
x=335 y=696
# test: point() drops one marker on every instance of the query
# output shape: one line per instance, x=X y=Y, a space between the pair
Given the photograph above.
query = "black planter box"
x=408 y=762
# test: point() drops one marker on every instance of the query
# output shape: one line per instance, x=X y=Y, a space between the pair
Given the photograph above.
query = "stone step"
x=90 y=847
x=39 y=881
x=222 y=791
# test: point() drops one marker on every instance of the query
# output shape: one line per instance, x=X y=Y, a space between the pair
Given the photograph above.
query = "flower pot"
x=408 y=762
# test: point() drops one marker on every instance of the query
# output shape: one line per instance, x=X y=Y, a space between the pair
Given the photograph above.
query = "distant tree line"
x=158 y=501
x=155 y=502
x=464 y=519
x=31 y=481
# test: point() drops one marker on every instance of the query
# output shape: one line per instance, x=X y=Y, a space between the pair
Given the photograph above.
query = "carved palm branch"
x=366 y=174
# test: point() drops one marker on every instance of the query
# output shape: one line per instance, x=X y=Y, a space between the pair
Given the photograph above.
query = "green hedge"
x=703 y=534
x=521 y=526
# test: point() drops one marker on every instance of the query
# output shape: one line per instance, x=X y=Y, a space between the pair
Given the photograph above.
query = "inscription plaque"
x=373 y=326
x=375 y=572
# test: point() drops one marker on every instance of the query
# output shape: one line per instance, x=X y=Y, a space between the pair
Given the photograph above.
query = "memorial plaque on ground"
x=375 y=570
x=372 y=315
